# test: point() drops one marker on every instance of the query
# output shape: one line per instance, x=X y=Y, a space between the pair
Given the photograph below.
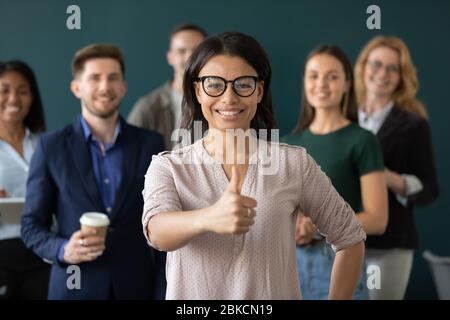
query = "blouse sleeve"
x=319 y=200
x=160 y=193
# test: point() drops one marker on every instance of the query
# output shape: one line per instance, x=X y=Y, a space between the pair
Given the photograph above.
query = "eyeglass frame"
x=389 y=68
x=203 y=78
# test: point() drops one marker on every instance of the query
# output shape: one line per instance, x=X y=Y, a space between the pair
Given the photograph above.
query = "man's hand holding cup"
x=88 y=243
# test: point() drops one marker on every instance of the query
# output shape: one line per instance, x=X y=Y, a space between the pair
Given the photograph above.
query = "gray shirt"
x=155 y=112
x=176 y=99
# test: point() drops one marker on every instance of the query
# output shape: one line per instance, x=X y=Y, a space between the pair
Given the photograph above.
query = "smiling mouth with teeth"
x=229 y=113
x=12 y=108
x=104 y=99
x=380 y=81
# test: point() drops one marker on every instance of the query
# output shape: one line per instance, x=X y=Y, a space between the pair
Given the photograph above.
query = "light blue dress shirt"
x=107 y=166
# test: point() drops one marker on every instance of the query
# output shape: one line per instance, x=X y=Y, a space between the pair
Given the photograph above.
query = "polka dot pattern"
x=260 y=264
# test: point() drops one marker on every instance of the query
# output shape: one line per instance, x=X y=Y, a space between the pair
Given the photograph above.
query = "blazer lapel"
x=129 y=163
x=82 y=161
x=390 y=124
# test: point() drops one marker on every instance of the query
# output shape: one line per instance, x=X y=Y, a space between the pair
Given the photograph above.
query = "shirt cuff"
x=61 y=251
x=412 y=186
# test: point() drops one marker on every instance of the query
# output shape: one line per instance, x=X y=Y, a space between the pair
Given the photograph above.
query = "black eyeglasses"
x=215 y=86
x=376 y=65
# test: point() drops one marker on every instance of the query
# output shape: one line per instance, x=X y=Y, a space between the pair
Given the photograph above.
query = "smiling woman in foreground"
x=227 y=224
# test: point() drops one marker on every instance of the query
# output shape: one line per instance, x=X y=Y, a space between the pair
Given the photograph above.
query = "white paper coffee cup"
x=95 y=220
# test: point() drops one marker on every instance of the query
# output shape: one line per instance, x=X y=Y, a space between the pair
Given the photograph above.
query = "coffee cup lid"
x=94 y=219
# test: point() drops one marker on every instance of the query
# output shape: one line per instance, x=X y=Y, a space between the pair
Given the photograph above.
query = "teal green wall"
x=36 y=32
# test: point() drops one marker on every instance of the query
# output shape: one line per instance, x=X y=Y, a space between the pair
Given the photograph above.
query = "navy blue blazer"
x=61 y=182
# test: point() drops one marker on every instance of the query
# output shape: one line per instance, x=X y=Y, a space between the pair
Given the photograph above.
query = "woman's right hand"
x=3 y=193
x=83 y=246
x=233 y=213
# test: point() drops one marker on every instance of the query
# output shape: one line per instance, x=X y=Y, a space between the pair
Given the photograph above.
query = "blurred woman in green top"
x=351 y=157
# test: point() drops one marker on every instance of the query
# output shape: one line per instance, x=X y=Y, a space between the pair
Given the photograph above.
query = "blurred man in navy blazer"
x=97 y=163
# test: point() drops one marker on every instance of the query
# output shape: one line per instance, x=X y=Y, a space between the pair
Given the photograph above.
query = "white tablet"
x=11 y=210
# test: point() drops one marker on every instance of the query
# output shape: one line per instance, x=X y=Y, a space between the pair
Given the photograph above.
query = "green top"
x=344 y=155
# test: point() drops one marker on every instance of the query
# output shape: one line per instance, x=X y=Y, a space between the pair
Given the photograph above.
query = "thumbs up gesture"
x=234 y=185
x=233 y=213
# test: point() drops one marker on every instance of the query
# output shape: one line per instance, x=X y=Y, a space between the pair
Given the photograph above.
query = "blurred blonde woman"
x=386 y=87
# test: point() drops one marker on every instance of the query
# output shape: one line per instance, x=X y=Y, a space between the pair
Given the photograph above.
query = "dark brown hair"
x=233 y=44
x=34 y=120
x=95 y=51
x=188 y=27
x=349 y=107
